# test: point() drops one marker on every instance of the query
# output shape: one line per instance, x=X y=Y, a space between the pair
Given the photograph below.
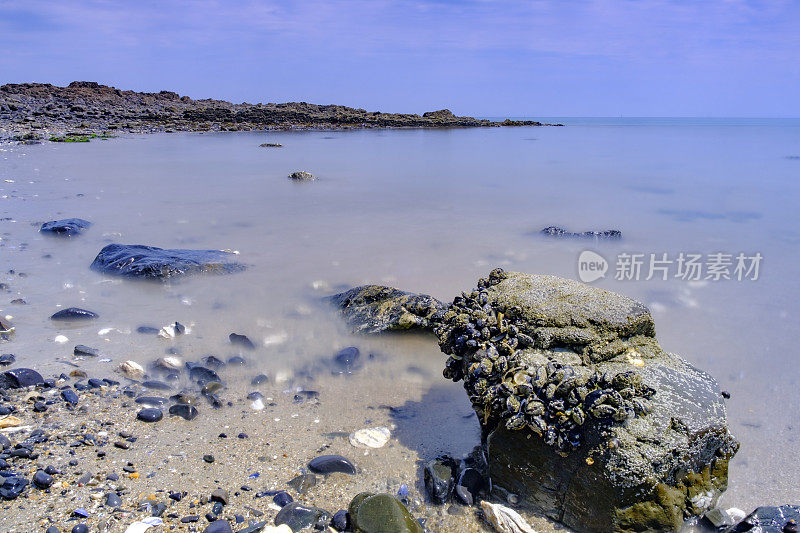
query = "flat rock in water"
x=597 y=426
x=67 y=227
x=299 y=516
x=139 y=261
x=555 y=231
x=19 y=378
x=85 y=351
x=381 y=513
x=783 y=519
x=74 y=313
x=150 y=414
x=328 y=464
x=377 y=309
x=241 y=340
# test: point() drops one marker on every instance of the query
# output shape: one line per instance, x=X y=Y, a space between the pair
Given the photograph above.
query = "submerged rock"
x=555 y=231
x=67 y=227
x=376 y=309
x=381 y=513
x=139 y=261
x=299 y=516
x=74 y=313
x=783 y=519
x=583 y=415
x=438 y=476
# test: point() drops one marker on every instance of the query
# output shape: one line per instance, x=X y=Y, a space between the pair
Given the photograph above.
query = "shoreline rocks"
x=555 y=231
x=83 y=110
x=68 y=227
x=149 y=262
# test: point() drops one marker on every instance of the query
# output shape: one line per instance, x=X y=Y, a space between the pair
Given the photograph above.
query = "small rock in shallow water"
x=303 y=482
x=505 y=519
x=218 y=526
x=67 y=227
x=376 y=437
x=147 y=330
x=439 y=478
x=151 y=262
x=781 y=519
x=131 y=370
x=302 y=175
x=468 y=485
x=381 y=513
x=7 y=359
x=150 y=414
x=327 y=464
x=298 y=516
x=81 y=350
x=80 y=528
x=241 y=340
x=282 y=498
x=74 y=313
x=347 y=361
x=69 y=396
x=187 y=412
x=554 y=231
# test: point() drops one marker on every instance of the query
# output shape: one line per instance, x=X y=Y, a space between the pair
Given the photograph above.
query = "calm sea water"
x=428 y=211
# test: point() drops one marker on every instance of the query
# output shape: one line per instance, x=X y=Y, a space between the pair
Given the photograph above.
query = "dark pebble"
x=327 y=464
x=19 y=378
x=208 y=458
x=255 y=528
x=74 y=313
x=189 y=519
x=347 y=360
x=282 y=498
x=241 y=340
x=7 y=358
x=212 y=362
x=113 y=500
x=219 y=526
x=341 y=521
x=85 y=351
x=438 y=475
x=152 y=400
x=469 y=483
x=69 y=396
x=52 y=529
x=80 y=528
x=259 y=379
x=150 y=415
x=187 y=412
x=237 y=361
x=201 y=373
x=298 y=516
x=302 y=483
x=147 y=330
x=12 y=487
x=156 y=385
x=42 y=480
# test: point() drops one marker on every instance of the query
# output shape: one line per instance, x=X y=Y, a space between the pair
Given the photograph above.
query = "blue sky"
x=476 y=57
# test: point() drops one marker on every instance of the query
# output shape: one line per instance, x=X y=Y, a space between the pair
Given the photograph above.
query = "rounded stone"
x=150 y=414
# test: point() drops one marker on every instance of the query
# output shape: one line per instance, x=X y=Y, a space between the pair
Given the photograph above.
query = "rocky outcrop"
x=28 y=108
x=379 y=309
x=584 y=416
x=137 y=261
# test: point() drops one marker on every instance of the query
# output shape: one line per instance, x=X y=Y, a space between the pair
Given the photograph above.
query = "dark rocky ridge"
x=36 y=110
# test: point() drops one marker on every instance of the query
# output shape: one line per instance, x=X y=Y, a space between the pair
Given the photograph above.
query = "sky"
x=536 y=58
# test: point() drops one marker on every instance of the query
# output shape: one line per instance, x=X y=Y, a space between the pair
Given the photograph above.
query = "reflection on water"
x=428 y=211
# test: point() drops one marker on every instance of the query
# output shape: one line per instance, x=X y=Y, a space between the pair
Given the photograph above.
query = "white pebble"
x=61 y=339
x=376 y=437
x=257 y=404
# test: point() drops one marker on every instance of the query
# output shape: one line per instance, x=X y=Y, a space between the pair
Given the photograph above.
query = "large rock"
x=139 y=261
x=583 y=415
x=377 y=309
x=381 y=513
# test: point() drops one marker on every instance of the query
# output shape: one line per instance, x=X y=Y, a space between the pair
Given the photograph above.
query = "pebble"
x=80 y=528
x=259 y=379
x=69 y=396
x=241 y=340
x=381 y=513
x=61 y=339
x=81 y=350
x=9 y=421
x=219 y=526
x=169 y=363
x=282 y=498
x=376 y=437
x=8 y=358
x=469 y=483
x=187 y=412
x=327 y=464
x=147 y=330
x=438 y=476
x=42 y=480
x=12 y=487
x=113 y=500
x=208 y=458
x=302 y=483
x=347 y=360
x=150 y=414
x=19 y=378
x=220 y=495
x=299 y=516
x=131 y=370
x=74 y=313
x=341 y=520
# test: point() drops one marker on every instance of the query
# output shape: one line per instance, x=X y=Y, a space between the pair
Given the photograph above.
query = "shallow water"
x=428 y=211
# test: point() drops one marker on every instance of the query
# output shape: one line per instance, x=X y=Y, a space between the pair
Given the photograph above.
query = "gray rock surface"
x=378 y=309
x=137 y=261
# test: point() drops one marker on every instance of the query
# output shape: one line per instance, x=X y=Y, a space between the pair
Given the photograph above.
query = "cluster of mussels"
x=553 y=400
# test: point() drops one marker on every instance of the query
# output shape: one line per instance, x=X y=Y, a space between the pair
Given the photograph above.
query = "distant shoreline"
x=33 y=112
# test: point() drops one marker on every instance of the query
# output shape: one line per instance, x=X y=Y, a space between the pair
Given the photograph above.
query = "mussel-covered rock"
x=381 y=513
x=67 y=227
x=583 y=415
x=139 y=261
x=376 y=309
